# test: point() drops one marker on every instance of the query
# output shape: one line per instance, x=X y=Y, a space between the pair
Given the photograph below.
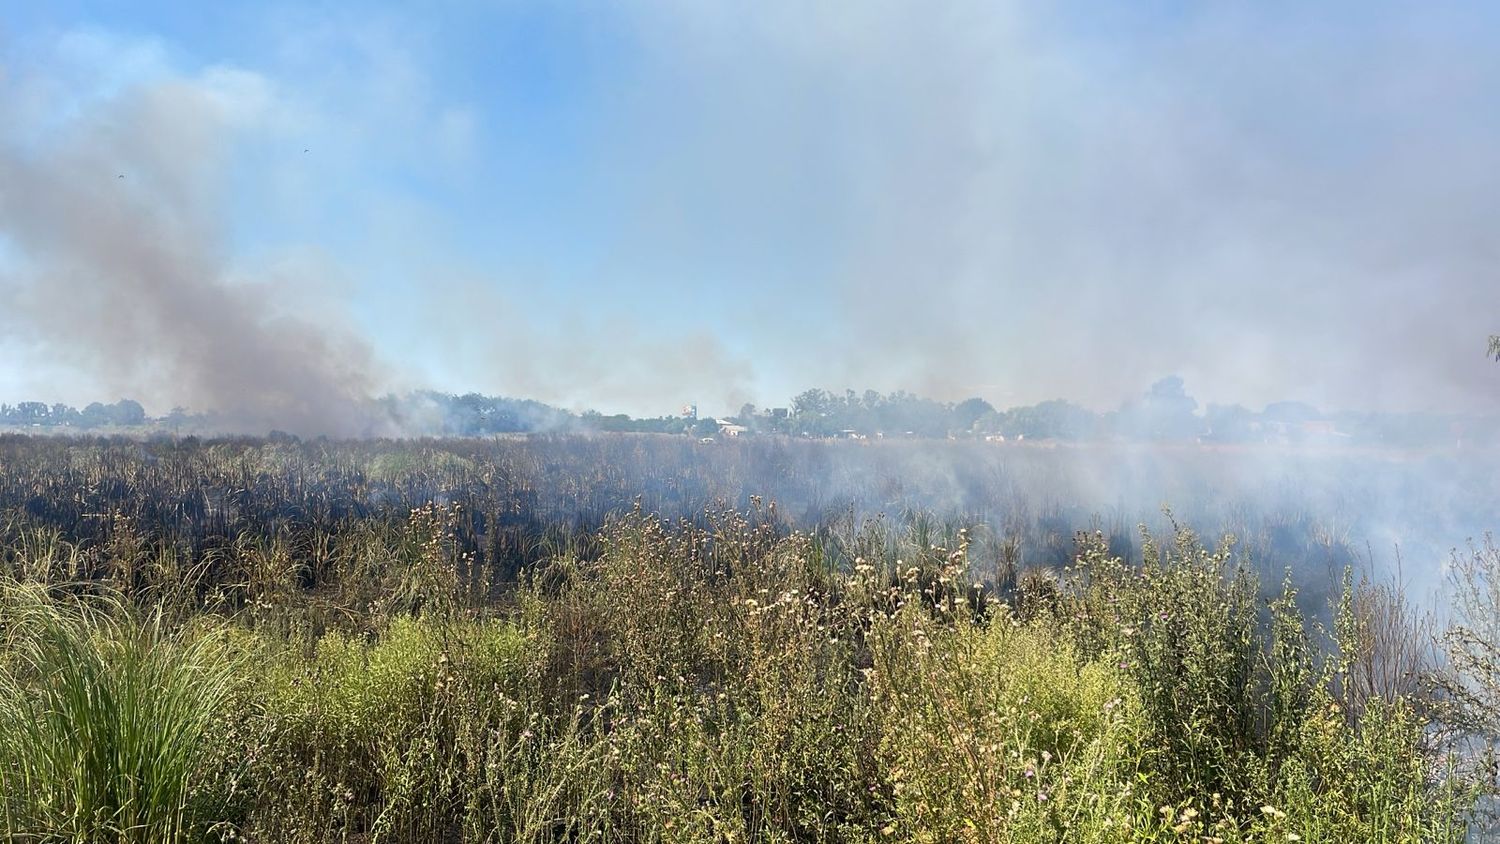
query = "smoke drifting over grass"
x=122 y=269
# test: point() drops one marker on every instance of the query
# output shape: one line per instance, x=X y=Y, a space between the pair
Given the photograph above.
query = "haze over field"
x=275 y=213
x=507 y=421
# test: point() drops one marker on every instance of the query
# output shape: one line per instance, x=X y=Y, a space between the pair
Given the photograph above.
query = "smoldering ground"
x=1301 y=514
x=1307 y=512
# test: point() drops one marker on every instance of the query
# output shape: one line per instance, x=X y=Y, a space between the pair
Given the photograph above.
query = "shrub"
x=432 y=730
x=1002 y=734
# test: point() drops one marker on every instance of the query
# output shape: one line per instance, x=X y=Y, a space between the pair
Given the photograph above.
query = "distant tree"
x=1050 y=420
x=1495 y=346
x=1229 y=423
x=990 y=423
x=705 y=427
x=661 y=425
x=31 y=413
x=94 y=415
x=810 y=409
x=127 y=413
x=467 y=415
x=1170 y=392
x=970 y=411
x=593 y=420
x=901 y=412
x=1165 y=412
x=177 y=417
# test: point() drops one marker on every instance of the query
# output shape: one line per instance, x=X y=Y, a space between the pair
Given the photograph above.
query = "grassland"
x=616 y=639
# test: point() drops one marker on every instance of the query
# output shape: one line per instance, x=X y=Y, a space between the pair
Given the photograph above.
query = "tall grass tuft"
x=104 y=722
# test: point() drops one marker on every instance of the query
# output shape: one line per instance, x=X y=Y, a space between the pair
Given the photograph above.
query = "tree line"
x=124 y=413
x=1164 y=413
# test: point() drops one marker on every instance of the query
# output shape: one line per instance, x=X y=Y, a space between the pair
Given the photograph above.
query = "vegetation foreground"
x=719 y=679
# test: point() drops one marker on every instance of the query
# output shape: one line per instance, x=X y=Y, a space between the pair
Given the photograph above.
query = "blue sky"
x=633 y=205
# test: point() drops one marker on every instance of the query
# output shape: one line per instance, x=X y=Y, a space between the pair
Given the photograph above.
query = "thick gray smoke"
x=1025 y=201
x=120 y=266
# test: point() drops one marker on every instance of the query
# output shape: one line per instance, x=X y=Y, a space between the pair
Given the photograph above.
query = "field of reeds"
x=649 y=639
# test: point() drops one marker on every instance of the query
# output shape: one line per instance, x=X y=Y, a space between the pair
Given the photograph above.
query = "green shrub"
x=433 y=730
x=1241 y=722
x=1002 y=734
x=1185 y=626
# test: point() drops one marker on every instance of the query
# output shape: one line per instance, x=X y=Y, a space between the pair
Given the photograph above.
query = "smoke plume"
x=120 y=263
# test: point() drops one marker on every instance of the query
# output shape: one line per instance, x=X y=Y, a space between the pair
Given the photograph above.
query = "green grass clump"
x=106 y=721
